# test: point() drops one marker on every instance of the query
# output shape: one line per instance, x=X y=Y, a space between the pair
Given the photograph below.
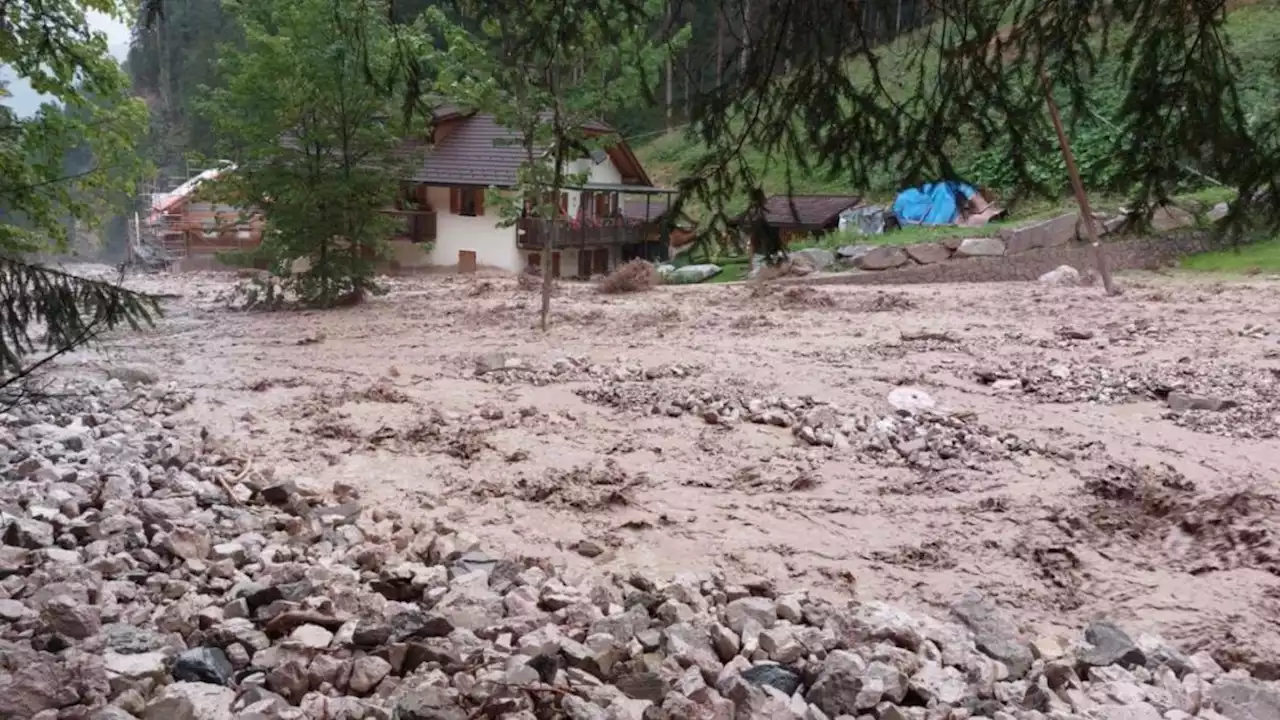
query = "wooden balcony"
x=531 y=233
x=417 y=226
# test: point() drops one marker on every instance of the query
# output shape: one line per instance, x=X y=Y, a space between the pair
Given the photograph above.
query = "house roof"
x=808 y=211
x=479 y=151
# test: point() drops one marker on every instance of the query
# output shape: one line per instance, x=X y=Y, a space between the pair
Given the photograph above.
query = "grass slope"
x=1253 y=29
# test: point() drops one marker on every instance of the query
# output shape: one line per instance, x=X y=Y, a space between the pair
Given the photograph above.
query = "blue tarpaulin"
x=932 y=203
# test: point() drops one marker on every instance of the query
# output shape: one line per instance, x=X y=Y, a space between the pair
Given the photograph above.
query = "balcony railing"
x=531 y=233
x=414 y=225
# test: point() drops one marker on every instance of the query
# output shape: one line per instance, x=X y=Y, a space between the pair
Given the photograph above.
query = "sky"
x=25 y=100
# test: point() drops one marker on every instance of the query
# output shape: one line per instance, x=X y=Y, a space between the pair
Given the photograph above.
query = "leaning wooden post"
x=1086 y=212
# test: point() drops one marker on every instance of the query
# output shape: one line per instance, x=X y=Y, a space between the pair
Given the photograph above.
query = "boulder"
x=817 y=259
x=191 y=701
x=928 y=253
x=1169 y=217
x=1110 y=646
x=203 y=664
x=839 y=682
x=910 y=400
x=883 y=257
x=980 y=247
x=1246 y=699
x=851 y=253
x=994 y=633
x=1047 y=234
x=1062 y=276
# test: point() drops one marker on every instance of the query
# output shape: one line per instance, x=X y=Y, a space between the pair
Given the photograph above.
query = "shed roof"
x=807 y=211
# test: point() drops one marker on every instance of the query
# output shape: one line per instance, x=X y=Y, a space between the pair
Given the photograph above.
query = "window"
x=467 y=201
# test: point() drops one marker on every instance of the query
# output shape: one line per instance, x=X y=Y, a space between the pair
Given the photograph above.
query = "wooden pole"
x=1086 y=212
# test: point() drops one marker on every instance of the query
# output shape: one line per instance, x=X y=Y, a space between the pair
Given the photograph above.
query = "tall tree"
x=308 y=113
x=87 y=121
x=520 y=67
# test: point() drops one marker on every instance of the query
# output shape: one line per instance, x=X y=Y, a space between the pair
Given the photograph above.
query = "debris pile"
x=508 y=369
x=914 y=433
x=1161 y=509
x=145 y=576
x=1220 y=399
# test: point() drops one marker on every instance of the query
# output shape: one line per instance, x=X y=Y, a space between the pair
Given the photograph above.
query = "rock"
x=428 y=703
x=817 y=259
x=1168 y=217
x=1056 y=232
x=910 y=400
x=1110 y=646
x=980 y=247
x=643 y=686
x=203 y=665
x=136 y=666
x=778 y=677
x=851 y=253
x=758 y=609
x=993 y=633
x=1246 y=699
x=133 y=375
x=1062 y=276
x=28 y=533
x=839 y=682
x=66 y=616
x=725 y=642
x=1218 y=212
x=935 y=683
x=882 y=257
x=928 y=253
x=367 y=672
x=290 y=679
x=1134 y=711
x=188 y=543
x=589 y=548
x=1182 y=402
x=191 y=701
x=34 y=687
x=311 y=636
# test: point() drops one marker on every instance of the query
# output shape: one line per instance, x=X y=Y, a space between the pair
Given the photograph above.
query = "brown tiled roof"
x=478 y=152
x=809 y=211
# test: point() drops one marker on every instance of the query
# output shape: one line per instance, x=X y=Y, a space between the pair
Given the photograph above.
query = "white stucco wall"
x=605 y=172
x=494 y=246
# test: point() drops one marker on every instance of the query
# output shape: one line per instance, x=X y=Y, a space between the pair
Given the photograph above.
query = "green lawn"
x=1261 y=256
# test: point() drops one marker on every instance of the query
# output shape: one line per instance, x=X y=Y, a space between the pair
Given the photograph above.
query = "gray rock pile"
x=1216 y=398
x=909 y=430
x=141 y=578
x=507 y=369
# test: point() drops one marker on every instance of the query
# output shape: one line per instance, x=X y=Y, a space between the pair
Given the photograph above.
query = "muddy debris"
x=134 y=586
x=1161 y=511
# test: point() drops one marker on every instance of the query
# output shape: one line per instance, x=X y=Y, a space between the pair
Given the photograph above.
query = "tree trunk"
x=666 y=32
x=719 y=45
x=744 y=52
x=1086 y=212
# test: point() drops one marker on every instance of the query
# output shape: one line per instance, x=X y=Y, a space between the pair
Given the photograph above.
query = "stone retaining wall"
x=1135 y=254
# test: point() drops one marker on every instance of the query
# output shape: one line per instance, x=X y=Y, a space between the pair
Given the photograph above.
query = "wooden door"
x=467 y=261
x=584 y=264
x=555 y=265
x=601 y=258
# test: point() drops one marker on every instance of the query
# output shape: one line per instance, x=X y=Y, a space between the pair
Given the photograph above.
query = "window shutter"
x=479 y=201
x=455 y=200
